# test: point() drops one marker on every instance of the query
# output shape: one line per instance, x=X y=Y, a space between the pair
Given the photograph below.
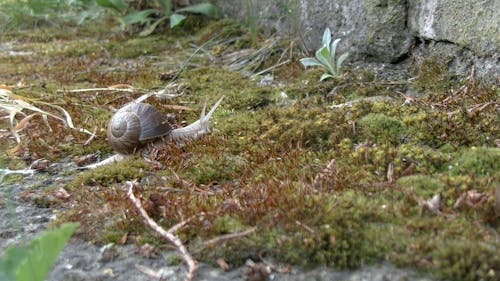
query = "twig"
x=191 y=263
x=482 y=106
x=148 y=271
x=305 y=226
x=179 y=225
x=92 y=136
x=129 y=90
x=270 y=68
x=223 y=238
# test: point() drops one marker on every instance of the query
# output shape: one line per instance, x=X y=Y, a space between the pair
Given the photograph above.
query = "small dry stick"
x=192 y=266
x=148 y=271
x=181 y=224
x=222 y=238
x=128 y=90
x=305 y=226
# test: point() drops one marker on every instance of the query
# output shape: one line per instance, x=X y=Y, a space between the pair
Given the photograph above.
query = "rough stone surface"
x=466 y=33
x=473 y=25
x=373 y=30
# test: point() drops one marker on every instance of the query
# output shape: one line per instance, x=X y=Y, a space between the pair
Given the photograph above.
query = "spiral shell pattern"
x=134 y=125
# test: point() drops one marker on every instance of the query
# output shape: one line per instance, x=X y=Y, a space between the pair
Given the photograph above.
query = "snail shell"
x=134 y=125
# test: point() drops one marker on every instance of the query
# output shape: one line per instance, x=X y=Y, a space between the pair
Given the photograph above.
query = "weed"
x=32 y=262
x=325 y=57
x=128 y=16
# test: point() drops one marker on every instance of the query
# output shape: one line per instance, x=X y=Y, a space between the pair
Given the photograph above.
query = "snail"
x=137 y=124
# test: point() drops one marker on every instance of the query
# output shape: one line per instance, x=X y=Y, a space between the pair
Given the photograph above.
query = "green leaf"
x=117 y=5
x=176 y=19
x=323 y=56
x=206 y=9
x=327 y=38
x=138 y=17
x=149 y=29
x=333 y=50
x=341 y=60
x=32 y=262
x=310 y=62
x=326 y=76
x=11 y=261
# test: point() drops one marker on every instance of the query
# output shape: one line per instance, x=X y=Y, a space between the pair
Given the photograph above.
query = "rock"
x=472 y=25
x=373 y=30
x=464 y=33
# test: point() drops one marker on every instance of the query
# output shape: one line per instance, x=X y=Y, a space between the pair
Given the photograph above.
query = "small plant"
x=32 y=262
x=326 y=57
x=33 y=13
x=147 y=16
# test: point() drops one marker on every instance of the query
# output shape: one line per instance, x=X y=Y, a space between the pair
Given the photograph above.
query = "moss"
x=227 y=224
x=210 y=169
x=422 y=185
x=134 y=47
x=122 y=171
x=479 y=161
x=341 y=238
x=462 y=260
x=241 y=94
x=432 y=76
x=381 y=128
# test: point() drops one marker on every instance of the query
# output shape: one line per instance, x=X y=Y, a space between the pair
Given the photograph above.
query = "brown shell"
x=134 y=125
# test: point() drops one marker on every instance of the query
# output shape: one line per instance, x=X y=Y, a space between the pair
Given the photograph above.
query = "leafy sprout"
x=326 y=57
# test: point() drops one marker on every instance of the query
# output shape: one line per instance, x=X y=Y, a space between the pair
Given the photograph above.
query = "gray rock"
x=464 y=33
x=473 y=25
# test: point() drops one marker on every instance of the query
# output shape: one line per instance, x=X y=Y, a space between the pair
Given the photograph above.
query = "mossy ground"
x=266 y=163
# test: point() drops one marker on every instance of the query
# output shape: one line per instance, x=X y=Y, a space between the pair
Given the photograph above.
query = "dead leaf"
x=123 y=240
x=87 y=159
x=24 y=122
x=147 y=251
x=390 y=173
x=108 y=272
x=257 y=271
x=471 y=199
x=222 y=264
x=164 y=76
x=61 y=193
x=433 y=205
x=327 y=174
x=40 y=165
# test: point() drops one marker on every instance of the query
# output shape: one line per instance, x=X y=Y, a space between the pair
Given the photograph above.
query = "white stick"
x=192 y=266
x=113 y=159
